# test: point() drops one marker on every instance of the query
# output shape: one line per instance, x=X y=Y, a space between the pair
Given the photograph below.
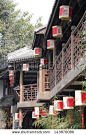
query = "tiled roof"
x=23 y=53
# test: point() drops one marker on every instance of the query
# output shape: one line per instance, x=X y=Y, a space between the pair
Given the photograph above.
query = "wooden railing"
x=70 y=54
x=45 y=80
x=29 y=92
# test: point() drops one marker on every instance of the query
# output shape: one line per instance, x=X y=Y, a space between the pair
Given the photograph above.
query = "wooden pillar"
x=40 y=78
x=20 y=117
x=62 y=58
x=49 y=64
x=72 y=49
x=21 y=98
x=21 y=86
x=54 y=54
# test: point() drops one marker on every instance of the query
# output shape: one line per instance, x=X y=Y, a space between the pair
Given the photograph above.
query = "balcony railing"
x=45 y=80
x=29 y=92
x=70 y=54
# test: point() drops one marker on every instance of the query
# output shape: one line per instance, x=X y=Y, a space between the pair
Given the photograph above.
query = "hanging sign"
x=65 y=12
x=51 y=44
x=57 y=31
x=68 y=103
x=58 y=105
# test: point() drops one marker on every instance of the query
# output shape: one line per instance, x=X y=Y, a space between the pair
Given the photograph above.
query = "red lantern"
x=51 y=44
x=43 y=61
x=65 y=12
x=58 y=105
x=37 y=52
x=43 y=113
x=11 y=73
x=34 y=116
x=25 y=67
x=57 y=31
x=68 y=103
x=11 y=77
x=12 y=81
x=51 y=110
x=80 y=98
x=16 y=116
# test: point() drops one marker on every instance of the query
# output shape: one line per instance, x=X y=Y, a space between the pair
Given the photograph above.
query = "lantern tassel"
x=59 y=118
x=69 y=116
x=82 y=120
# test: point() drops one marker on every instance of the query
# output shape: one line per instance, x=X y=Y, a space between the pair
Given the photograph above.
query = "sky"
x=37 y=7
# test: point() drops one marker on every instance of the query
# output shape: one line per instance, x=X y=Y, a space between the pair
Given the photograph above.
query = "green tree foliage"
x=52 y=122
x=16 y=30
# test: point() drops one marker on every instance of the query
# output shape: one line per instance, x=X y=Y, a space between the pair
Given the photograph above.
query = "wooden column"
x=20 y=117
x=62 y=58
x=72 y=49
x=40 y=78
x=21 y=86
x=54 y=54
x=49 y=64
x=21 y=98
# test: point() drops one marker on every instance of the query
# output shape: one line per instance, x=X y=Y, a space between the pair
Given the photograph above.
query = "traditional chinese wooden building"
x=62 y=75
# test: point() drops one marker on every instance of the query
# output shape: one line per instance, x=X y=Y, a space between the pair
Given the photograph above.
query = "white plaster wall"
x=1 y=89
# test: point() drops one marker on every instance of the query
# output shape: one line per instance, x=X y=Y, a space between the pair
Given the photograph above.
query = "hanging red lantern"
x=34 y=116
x=43 y=113
x=51 y=44
x=16 y=116
x=51 y=110
x=68 y=102
x=65 y=12
x=11 y=73
x=58 y=105
x=80 y=98
x=12 y=81
x=11 y=77
x=43 y=61
x=57 y=31
x=37 y=52
x=25 y=67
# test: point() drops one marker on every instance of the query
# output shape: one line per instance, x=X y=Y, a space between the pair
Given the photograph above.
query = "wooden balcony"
x=29 y=96
x=67 y=63
x=43 y=80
